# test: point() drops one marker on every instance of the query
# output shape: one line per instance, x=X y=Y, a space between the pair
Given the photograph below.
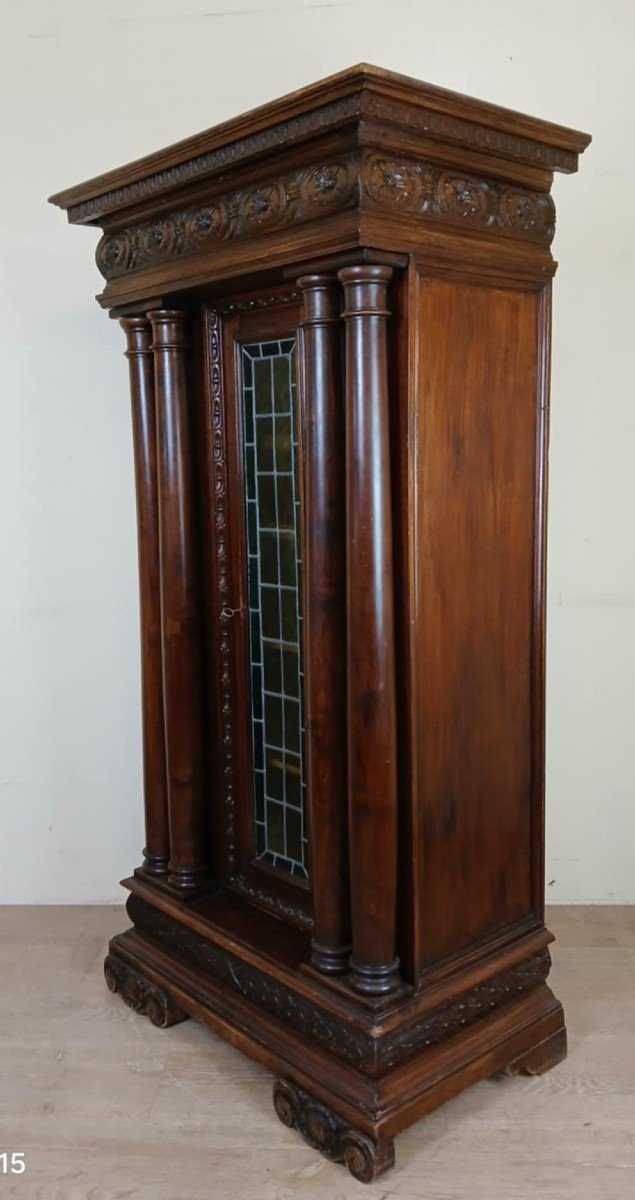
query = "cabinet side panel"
x=475 y=485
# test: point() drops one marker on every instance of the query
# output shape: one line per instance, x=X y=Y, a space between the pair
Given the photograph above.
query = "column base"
x=375 y=980
x=154 y=864
x=329 y=961
x=188 y=879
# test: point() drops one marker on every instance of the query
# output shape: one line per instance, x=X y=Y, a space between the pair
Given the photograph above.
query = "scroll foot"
x=141 y=995
x=323 y=1130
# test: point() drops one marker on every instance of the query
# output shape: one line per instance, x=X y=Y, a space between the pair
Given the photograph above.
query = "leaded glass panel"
x=275 y=608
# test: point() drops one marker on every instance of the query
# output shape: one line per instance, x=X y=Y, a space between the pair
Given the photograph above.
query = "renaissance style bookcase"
x=336 y=311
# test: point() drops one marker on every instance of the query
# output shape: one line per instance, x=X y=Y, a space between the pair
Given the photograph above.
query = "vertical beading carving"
x=223 y=584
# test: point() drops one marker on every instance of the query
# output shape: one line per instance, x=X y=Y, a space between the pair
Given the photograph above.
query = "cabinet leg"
x=141 y=995
x=540 y=1058
x=325 y=1131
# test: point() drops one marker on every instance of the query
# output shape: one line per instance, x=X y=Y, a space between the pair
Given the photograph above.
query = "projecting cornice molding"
x=350 y=99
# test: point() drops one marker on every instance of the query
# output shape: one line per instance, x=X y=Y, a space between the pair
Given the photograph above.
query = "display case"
x=337 y=311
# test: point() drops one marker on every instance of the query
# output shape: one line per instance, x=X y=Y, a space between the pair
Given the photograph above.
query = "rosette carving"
x=457 y=199
x=530 y=212
x=207 y=222
x=462 y=196
x=329 y=187
x=325 y=186
x=393 y=182
x=113 y=253
x=158 y=239
x=263 y=205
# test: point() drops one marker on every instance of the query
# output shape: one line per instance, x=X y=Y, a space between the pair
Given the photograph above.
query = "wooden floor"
x=106 y=1107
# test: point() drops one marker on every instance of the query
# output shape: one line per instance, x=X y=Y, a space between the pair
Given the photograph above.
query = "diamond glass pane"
x=275 y=608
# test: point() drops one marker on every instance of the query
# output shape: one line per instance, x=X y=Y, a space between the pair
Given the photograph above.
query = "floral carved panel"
x=305 y=195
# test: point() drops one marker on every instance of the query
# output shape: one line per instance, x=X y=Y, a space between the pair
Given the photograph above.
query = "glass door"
x=263 y=540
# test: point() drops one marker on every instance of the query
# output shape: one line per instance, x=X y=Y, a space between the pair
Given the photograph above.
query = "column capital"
x=320 y=295
x=365 y=289
x=168 y=328
x=138 y=335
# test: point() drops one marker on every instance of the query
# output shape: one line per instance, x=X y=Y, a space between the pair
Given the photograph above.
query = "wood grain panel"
x=475 y=426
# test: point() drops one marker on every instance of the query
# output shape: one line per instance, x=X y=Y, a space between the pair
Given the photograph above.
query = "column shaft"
x=325 y=609
x=144 y=432
x=180 y=605
x=372 y=730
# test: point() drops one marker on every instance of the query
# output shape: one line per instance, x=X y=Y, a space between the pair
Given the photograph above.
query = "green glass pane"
x=274 y=559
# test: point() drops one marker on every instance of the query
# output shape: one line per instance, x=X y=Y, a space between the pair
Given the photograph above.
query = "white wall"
x=88 y=85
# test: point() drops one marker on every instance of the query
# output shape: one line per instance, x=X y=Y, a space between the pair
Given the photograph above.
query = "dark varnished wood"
x=372 y=718
x=541 y=1058
x=474 y=516
x=323 y=1130
x=138 y=994
x=461 y=121
x=414 y=226
x=378 y=1106
x=319 y=129
x=180 y=605
x=325 y=609
x=138 y=332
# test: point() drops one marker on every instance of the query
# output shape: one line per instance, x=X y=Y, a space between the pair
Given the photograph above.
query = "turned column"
x=144 y=432
x=372 y=731
x=180 y=605
x=325 y=612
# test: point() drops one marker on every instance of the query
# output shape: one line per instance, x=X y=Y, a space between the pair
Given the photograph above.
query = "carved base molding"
x=370 y=1051
x=323 y=1130
x=141 y=995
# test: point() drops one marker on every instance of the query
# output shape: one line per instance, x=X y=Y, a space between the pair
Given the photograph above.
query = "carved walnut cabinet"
x=336 y=311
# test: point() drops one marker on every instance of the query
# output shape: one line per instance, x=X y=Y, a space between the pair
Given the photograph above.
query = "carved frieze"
x=419 y=188
x=276 y=204
x=458 y=198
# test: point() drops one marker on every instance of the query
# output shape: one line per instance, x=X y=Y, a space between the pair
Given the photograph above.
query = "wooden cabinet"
x=336 y=311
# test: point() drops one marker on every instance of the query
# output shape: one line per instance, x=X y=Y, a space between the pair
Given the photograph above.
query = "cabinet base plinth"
x=347 y=1080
